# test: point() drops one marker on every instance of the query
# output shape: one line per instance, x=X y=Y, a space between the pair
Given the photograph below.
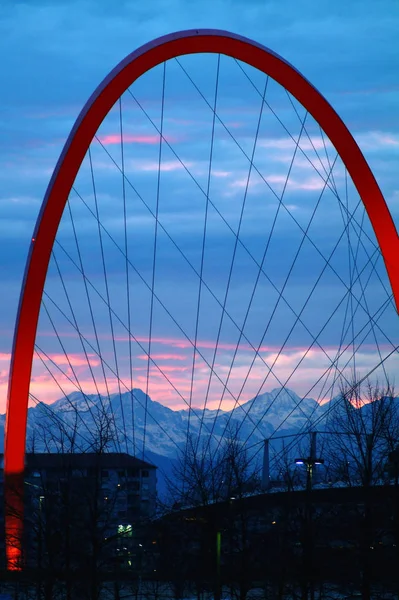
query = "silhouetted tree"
x=364 y=426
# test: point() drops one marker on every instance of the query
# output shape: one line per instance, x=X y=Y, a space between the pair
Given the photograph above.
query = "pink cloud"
x=75 y=360
x=234 y=124
x=162 y=357
x=389 y=140
x=374 y=140
x=115 y=138
x=171 y=369
x=314 y=364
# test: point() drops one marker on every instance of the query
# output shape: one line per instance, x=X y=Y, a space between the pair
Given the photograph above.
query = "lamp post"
x=40 y=533
x=265 y=467
x=310 y=462
x=218 y=594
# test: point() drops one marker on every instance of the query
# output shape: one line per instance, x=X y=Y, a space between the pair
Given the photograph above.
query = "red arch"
x=97 y=107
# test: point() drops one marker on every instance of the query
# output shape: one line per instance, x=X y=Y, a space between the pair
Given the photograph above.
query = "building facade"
x=85 y=507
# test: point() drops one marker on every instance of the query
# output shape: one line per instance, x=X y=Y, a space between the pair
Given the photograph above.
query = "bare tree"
x=364 y=426
x=237 y=467
x=197 y=476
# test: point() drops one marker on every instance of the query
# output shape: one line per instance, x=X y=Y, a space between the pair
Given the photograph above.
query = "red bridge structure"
x=142 y=61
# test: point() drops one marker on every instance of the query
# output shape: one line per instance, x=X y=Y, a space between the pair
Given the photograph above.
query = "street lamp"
x=310 y=464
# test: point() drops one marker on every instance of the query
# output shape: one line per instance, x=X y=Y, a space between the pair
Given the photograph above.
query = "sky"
x=54 y=56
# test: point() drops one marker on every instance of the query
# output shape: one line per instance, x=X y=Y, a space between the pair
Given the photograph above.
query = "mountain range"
x=279 y=412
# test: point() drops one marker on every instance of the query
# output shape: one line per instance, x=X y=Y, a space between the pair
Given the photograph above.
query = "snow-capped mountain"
x=162 y=432
x=165 y=430
x=280 y=410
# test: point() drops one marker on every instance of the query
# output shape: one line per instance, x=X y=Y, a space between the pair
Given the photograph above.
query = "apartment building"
x=77 y=502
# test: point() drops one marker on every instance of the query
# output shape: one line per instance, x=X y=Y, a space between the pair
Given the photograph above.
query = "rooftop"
x=84 y=460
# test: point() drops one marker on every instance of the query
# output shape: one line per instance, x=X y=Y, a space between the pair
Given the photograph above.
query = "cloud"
x=314 y=365
x=223 y=174
x=158 y=357
x=115 y=139
x=166 y=166
x=286 y=143
x=378 y=140
x=75 y=360
x=61 y=51
x=308 y=183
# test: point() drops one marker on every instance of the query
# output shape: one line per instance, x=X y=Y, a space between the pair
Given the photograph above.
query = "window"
x=78 y=473
x=145 y=507
x=126 y=530
x=133 y=499
x=133 y=472
x=144 y=473
x=145 y=486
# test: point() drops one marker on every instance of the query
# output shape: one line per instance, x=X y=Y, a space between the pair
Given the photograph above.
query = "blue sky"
x=55 y=54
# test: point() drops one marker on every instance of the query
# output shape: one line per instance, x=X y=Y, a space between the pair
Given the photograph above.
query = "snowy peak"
x=279 y=404
x=163 y=429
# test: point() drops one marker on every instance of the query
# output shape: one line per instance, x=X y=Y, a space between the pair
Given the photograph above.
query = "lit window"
x=126 y=530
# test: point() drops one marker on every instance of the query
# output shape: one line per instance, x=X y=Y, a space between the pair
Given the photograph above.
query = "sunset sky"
x=54 y=56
